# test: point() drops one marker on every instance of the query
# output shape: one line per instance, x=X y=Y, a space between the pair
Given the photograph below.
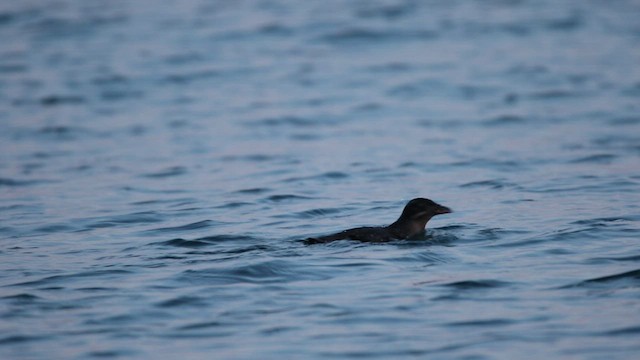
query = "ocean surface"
x=160 y=162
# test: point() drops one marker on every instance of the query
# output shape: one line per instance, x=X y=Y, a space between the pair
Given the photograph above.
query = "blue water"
x=160 y=161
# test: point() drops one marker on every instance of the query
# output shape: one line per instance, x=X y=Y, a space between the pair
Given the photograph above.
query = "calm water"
x=160 y=161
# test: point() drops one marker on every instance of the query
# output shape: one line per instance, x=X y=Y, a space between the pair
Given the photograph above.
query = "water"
x=160 y=162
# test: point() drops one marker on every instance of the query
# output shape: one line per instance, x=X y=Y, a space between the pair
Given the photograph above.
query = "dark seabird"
x=412 y=222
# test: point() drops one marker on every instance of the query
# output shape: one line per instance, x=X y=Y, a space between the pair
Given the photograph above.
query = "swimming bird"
x=412 y=222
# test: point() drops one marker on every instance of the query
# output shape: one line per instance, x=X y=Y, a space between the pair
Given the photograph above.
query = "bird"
x=411 y=222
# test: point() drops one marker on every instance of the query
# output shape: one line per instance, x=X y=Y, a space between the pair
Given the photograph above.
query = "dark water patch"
x=331 y=175
x=633 y=90
x=492 y=323
x=286 y=198
x=192 y=226
x=233 y=205
x=145 y=217
x=13 y=68
x=204 y=241
x=152 y=191
x=93 y=289
x=390 y=67
x=23 y=298
x=182 y=301
x=372 y=36
x=275 y=29
x=425 y=257
x=110 y=354
x=476 y=284
x=494 y=184
x=111 y=79
x=420 y=88
x=203 y=325
x=503 y=120
x=254 y=158
x=266 y=272
x=168 y=172
x=629 y=278
x=54 y=228
x=291 y=121
x=571 y=22
x=190 y=77
x=175 y=202
x=19 y=339
x=58 y=100
x=595 y=159
x=492 y=164
x=432 y=237
x=632 y=330
x=313 y=213
x=6 y=182
x=184 y=58
x=55 y=279
x=112 y=95
x=624 y=121
x=56 y=133
x=600 y=260
x=7 y=17
x=184 y=243
x=556 y=94
x=385 y=11
x=608 y=221
x=253 y=191
x=498 y=233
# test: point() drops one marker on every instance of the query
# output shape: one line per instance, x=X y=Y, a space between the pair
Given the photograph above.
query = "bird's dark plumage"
x=412 y=222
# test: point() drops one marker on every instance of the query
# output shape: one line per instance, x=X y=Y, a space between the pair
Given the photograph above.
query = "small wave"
x=273 y=271
x=476 y=284
x=633 y=330
x=369 y=35
x=134 y=218
x=202 y=325
x=597 y=260
x=182 y=301
x=201 y=242
x=595 y=159
x=55 y=279
x=54 y=228
x=192 y=226
x=309 y=214
x=168 y=172
x=632 y=277
x=486 y=322
x=253 y=191
x=607 y=221
x=331 y=175
x=286 y=197
x=492 y=184
x=294 y=121
x=493 y=164
x=251 y=158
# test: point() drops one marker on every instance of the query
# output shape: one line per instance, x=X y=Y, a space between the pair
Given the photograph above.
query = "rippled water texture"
x=161 y=160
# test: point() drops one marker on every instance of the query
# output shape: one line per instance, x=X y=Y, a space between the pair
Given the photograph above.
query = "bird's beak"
x=443 y=210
